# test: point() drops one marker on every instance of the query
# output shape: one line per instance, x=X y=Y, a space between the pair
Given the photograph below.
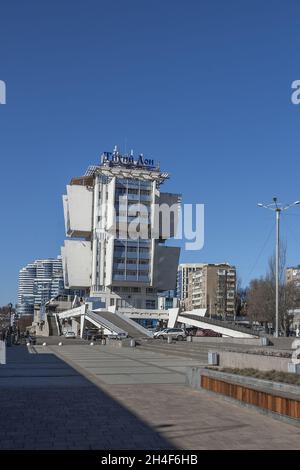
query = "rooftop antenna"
x=115 y=149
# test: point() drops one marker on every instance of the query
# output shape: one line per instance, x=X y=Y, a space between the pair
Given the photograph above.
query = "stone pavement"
x=151 y=385
x=45 y=404
x=99 y=397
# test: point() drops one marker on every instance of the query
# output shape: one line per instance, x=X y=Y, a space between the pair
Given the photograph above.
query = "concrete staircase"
x=120 y=323
x=52 y=326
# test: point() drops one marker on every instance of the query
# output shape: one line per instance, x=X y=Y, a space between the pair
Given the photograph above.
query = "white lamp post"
x=277 y=207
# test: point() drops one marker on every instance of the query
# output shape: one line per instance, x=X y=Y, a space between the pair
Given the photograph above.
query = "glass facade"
x=132 y=257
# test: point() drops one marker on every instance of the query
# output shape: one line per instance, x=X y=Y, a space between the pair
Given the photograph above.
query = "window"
x=150 y=303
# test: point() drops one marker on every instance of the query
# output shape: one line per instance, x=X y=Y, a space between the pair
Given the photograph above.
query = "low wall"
x=216 y=340
x=116 y=343
x=279 y=400
x=241 y=360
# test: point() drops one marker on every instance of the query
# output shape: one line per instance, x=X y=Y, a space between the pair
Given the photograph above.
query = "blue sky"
x=202 y=86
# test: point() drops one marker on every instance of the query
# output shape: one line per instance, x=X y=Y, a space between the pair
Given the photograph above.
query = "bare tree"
x=287 y=291
x=261 y=295
x=260 y=301
x=239 y=298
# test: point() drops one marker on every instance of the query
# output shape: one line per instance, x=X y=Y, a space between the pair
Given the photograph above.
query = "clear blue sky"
x=202 y=86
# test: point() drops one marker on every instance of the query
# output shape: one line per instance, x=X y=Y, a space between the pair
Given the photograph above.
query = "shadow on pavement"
x=46 y=404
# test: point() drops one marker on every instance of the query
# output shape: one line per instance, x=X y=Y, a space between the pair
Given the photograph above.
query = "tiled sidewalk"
x=106 y=398
x=45 y=404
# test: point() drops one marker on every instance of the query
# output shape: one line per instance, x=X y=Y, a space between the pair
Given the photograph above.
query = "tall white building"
x=39 y=282
x=116 y=246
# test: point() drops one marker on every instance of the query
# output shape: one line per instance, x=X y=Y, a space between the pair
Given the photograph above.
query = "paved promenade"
x=46 y=404
x=99 y=397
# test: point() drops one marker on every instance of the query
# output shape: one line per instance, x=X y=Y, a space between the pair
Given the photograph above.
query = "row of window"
x=121 y=272
x=123 y=190
x=130 y=261
x=127 y=289
x=131 y=249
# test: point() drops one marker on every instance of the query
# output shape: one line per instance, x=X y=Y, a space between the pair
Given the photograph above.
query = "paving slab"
x=188 y=418
x=64 y=412
x=141 y=403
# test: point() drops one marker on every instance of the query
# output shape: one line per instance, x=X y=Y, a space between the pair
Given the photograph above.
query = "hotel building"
x=116 y=237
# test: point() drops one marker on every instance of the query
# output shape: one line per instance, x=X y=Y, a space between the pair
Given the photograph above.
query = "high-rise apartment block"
x=184 y=270
x=212 y=287
x=39 y=282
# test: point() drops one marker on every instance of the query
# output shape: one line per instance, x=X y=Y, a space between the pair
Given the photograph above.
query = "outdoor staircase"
x=52 y=326
x=121 y=324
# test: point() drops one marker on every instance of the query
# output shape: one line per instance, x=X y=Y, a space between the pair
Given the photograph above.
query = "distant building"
x=27 y=276
x=213 y=286
x=167 y=300
x=39 y=282
x=292 y=274
x=184 y=270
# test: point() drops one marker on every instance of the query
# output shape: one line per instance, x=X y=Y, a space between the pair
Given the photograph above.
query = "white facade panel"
x=77 y=262
x=78 y=210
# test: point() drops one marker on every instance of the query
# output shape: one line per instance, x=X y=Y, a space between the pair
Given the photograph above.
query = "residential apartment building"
x=212 y=287
x=116 y=247
x=39 y=282
x=184 y=269
x=292 y=274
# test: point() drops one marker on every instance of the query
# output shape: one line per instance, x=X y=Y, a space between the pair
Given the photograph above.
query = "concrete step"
x=171 y=350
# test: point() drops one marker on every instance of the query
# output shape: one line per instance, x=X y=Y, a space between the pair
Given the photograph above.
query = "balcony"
x=119 y=277
x=119 y=266
x=132 y=254
x=144 y=255
x=146 y=197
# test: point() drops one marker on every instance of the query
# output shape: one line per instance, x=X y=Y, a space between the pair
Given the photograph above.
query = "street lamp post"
x=277 y=207
x=10 y=306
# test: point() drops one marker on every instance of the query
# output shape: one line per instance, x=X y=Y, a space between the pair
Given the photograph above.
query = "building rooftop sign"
x=116 y=159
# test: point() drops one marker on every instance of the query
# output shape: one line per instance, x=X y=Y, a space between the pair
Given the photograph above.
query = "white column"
x=2 y=352
x=94 y=228
x=82 y=322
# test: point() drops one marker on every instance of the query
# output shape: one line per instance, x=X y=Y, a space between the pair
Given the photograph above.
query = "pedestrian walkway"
x=46 y=404
x=113 y=365
x=100 y=397
x=151 y=385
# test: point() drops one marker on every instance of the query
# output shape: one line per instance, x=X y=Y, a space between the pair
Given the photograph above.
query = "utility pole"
x=277 y=207
x=278 y=211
